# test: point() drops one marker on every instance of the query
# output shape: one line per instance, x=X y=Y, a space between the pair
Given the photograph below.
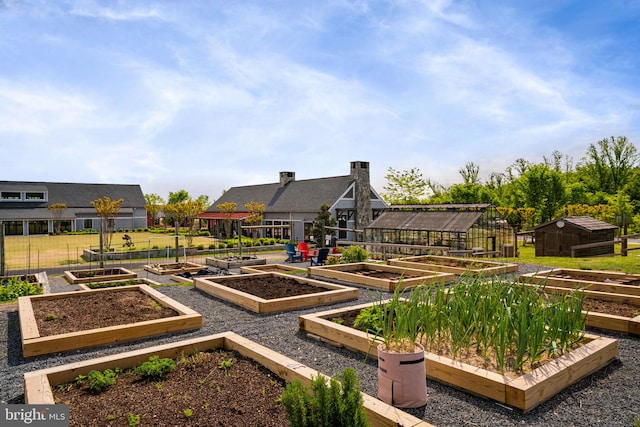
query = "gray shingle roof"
x=73 y=194
x=296 y=196
x=584 y=222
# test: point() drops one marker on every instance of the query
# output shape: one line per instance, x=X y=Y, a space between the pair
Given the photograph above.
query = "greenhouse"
x=458 y=229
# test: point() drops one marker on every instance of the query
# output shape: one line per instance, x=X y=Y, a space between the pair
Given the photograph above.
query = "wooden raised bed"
x=363 y=273
x=173 y=268
x=38 y=384
x=599 y=320
x=524 y=392
x=116 y=283
x=278 y=268
x=34 y=345
x=327 y=293
x=98 y=275
x=592 y=280
x=41 y=279
x=455 y=265
x=234 y=262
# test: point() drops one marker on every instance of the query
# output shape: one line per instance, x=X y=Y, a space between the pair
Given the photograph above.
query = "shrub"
x=156 y=367
x=100 y=381
x=13 y=288
x=200 y=247
x=212 y=246
x=333 y=404
x=354 y=254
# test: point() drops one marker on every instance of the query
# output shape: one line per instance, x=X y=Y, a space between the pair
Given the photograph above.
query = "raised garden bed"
x=380 y=276
x=72 y=322
x=523 y=392
x=455 y=265
x=173 y=268
x=272 y=292
x=234 y=262
x=39 y=385
x=41 y=279
x=116 y=283
x=592 y=280
x=98 y=275
x=277 y=268
x=606 y=310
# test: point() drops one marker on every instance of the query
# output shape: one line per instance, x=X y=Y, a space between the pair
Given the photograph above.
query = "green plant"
x=13 y=288
x=338 y=320
x=101 y=380
x=225 y=365
x=354 y=254
x=156 y=367
x=333 y=404
x=188 y=412
x=50 y=317
x=134 y=420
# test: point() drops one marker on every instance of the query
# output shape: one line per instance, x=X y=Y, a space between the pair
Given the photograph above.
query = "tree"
x=543 y=190
x=154 y=205
x=404 y=187
x=178 y=196
x=227 y=209
x=57 y=209
x=320 y=224
x=608 y=163
x=107 y=211
x=256 y=213
x=470 y=173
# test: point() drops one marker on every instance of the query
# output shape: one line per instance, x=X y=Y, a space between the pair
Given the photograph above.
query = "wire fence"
x=26 y=254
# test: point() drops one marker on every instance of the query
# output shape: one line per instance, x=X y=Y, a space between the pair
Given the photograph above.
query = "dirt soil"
x=608 y=307
x=197 y=392
x=81 y=312
x=271 y=287
x=82 y=274
x=380 y=274
x=622 y=280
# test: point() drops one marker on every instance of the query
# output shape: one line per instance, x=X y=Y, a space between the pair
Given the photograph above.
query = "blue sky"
x=207 y=95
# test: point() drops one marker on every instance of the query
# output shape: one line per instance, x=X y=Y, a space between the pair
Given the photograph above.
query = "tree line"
x=604 y=184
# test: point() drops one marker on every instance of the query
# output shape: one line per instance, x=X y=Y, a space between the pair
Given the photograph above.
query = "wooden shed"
x=558 y=237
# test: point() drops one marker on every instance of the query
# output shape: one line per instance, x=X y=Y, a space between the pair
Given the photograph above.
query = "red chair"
x=303 y=248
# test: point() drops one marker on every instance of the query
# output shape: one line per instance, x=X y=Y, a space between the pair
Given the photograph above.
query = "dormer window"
x=10 y=195
x=35 y=195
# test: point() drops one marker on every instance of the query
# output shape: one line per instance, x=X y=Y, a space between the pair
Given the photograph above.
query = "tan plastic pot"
x=402 y=380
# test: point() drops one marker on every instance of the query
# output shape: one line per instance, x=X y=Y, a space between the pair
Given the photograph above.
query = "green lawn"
x=628 y=264
x=37 y=252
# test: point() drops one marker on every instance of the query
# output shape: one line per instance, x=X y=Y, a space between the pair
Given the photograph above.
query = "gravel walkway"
x=610 y=397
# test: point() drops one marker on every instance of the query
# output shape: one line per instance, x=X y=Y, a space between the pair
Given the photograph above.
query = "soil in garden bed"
x=609 y=307
x=96 y=310
x=455 y=263
x=98 y=273
x=199 y=392
x=595 y=278
x=270 y=287
x=381 y=274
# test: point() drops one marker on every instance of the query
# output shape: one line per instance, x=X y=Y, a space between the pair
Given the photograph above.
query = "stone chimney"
x=287 y=177
x=364 y=214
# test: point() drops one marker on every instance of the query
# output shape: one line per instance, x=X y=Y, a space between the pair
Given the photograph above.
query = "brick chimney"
x=360 y=174
x=287 y=177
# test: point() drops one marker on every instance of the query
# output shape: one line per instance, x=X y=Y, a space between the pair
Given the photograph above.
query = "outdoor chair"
x=323 y=253
x=304 y=251
x=292 y=254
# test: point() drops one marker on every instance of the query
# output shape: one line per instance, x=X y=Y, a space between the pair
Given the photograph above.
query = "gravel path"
x=610 y=397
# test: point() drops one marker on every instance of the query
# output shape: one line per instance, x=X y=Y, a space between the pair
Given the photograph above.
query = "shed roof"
x=584 y=222
x=450 y=221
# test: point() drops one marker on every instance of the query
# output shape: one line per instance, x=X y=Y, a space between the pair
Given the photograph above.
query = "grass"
x=629 y=264
x=44 y=251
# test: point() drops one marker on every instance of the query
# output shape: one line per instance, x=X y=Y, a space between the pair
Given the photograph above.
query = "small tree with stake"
x=57 y=209
x=107 y=211
x=320 y=224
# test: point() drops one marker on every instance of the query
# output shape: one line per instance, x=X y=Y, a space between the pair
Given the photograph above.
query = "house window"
x=30 y=195
x=13 y=228
x=38 y=227
x=88 y=224
x=10 y=195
